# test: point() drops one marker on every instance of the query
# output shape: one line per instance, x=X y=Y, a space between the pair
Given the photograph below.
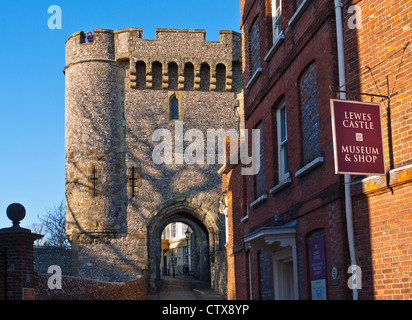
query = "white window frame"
x=279 y=258
x=282 y=142
x=173 y=231
x=260 y=178
x=299 y=11
x=276 y=19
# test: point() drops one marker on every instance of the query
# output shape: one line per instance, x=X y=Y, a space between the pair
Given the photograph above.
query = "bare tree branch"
x=54 y=224
x=39 y=229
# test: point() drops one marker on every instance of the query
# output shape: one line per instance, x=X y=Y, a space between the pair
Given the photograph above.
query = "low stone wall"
x=44 y=257
x=74 y=288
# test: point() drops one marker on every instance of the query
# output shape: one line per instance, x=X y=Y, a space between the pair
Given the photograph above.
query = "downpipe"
x=347 y=178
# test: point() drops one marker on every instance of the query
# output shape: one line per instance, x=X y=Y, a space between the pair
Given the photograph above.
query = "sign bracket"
x=388 y=111
x=384 y=97
x=364 y=93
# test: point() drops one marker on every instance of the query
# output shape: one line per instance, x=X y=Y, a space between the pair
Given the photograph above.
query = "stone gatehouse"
x=120 y=89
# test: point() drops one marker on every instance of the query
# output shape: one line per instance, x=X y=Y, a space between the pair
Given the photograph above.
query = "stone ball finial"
x=16 y=212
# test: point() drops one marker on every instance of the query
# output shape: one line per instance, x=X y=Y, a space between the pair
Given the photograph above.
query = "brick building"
x=379 y=61
x=287 y=224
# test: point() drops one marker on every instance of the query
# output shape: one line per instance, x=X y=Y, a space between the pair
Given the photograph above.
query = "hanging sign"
x=357 y=138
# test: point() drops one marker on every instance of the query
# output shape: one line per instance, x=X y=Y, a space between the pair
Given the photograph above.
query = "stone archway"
x=199 y=245
x=207 y=230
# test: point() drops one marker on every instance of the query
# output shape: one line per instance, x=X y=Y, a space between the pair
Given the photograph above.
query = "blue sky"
x=32 y=82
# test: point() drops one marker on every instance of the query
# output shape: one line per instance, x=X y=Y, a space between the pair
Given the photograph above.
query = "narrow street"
x=180 y=288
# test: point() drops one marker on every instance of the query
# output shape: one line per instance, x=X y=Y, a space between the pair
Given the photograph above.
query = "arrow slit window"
x=174 y=108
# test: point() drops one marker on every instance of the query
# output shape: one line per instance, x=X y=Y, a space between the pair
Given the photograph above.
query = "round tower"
x=95 y=137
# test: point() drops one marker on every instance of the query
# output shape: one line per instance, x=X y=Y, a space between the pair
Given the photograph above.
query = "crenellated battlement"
x=161 y=34
x=177 y=59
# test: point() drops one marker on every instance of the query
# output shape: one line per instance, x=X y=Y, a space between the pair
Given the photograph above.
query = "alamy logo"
x=171 y=150
x=355 y=20
x=54 y=21
x=54 y=281
x=355 y=281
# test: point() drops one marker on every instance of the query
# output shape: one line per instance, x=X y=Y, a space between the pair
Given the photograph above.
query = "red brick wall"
x=233 y=183
x=254 y=274
x=242 y=275
x=280 y=79
x=336 y=248
x=16 y=263
x=314 y=199
x=382 y=206
x=231 y=282
x=383 y=240
x=385 y=30
x=296 y=39
x=383 y=235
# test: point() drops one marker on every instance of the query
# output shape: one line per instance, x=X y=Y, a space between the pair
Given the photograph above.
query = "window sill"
x=310 y=166
x=280 y=185
x=244 y=219
x=254 y=78
x=259 y=200
x=298 y=13
x=275 y=46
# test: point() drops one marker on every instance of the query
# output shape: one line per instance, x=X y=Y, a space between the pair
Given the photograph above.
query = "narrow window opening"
x=140 y=75
x=189 y=75
x=204 y=77
x=156 y=75
x=174 y=108
x=173 y=76
x=220 y=77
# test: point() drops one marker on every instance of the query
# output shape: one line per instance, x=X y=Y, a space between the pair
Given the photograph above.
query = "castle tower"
x=95 y=139
x=126 y=98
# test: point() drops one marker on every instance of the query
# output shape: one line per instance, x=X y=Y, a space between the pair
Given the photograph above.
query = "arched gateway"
x=206 y=228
